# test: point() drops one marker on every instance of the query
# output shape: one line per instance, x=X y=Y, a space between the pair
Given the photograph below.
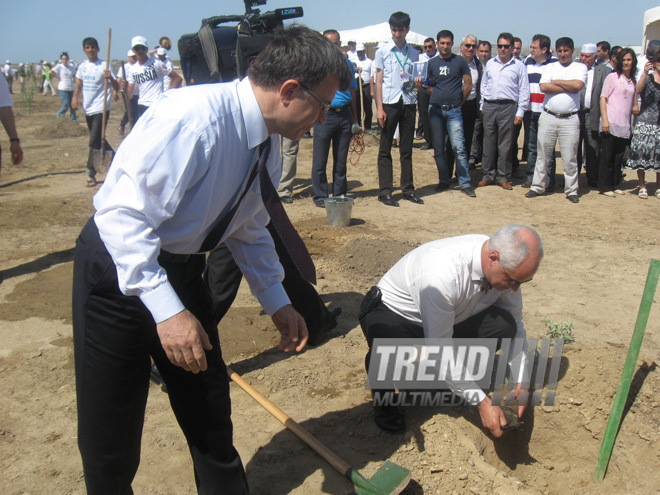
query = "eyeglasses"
x=469 y=45
x=532 y=47
x=503 y=47
x=325 y=105
x=429 y=47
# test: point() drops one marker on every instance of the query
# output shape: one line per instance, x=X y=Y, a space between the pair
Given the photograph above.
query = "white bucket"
x=339 y=210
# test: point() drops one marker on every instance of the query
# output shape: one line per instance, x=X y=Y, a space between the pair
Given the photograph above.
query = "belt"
x=446 y=107
x=560 y=115
x=338 y=109
x=500 y=102
x=167 y=257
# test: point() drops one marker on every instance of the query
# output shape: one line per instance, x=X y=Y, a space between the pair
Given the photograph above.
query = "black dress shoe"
x=442 y=186
x=573 y=198
x=320 y=203
x=329 y=324
x=389 y=419
x=413 y=198
x=426 y=146
x=388 y=200
x=286 y=199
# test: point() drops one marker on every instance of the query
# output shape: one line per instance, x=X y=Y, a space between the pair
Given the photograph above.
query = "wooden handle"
x=105 y=92
x=336 y=462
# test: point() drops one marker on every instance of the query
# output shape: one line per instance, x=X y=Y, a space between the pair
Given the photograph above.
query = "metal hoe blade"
x=390 y=479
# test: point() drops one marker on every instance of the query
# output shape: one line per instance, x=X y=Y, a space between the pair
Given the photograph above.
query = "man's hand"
x=382 y=118
x=184 y=341
x=292 y=327
x=492 y=417
x=517 y=391
x=16 y=153
x=517 y=120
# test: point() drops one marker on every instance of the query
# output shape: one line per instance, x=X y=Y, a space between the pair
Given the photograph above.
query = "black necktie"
x=290 y=238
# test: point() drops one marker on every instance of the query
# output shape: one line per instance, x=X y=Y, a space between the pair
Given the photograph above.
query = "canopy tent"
x=651 y=26
x=377 y=33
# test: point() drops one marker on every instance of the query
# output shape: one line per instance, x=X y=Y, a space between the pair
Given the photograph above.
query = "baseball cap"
x=160 y=51
x=359 y=47
x=139 y=40
x=130 y=53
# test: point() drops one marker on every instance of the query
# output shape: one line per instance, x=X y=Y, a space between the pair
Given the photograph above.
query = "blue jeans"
x=453 y=121
x=66 y=97
x=531 y=121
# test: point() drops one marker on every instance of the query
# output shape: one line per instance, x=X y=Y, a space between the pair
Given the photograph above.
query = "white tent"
x=651 y=26
x=377 y=33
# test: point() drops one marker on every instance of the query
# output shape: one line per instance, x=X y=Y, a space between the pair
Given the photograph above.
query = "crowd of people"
x=471 y=109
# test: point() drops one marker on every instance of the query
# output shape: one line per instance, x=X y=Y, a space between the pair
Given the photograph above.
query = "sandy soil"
x=597 y=257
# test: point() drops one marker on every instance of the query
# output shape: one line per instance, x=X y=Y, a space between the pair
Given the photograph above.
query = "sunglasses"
x=429 y=47
x=469 y=45
x=503 y=47
x=326 y=106
x=139 y=47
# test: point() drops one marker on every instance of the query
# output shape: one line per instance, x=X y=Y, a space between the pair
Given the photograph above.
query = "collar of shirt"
x=510 y=62
x=255 y=125
x=477 y=270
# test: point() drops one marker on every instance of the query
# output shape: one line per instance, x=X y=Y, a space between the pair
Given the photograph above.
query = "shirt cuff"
x=162 y=302
x=273 y=298
x=473 y=395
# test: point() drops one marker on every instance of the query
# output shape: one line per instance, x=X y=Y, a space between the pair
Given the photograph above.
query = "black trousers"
x=590 y=140
x=403 y=116
x=382 y=322
x=95 y=126
x=223 y=278
x=612 y=150
x=423 y=99
x=115 y=338
x=132 y=103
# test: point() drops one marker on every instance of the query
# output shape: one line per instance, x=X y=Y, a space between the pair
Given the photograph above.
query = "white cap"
x=139 y=40
x=160 y=51
x=8 y=62
x=130 y=53
x=589 y=48
x=359 y=47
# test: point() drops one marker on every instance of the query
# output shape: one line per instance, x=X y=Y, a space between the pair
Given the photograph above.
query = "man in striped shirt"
x=540 y=56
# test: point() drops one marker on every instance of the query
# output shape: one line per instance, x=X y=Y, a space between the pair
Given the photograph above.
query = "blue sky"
x=38 y=29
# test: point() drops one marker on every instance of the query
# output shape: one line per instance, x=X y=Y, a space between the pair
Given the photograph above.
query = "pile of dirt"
x=60 y=128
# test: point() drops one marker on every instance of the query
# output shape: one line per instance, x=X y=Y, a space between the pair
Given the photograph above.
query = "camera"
x=218 y=53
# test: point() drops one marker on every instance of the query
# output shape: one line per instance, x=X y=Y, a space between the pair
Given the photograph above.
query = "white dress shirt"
x=183 y=166
x=437 y=286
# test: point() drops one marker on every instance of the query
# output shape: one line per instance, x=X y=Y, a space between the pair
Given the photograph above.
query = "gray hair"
x=471 y=37
x=513 y=250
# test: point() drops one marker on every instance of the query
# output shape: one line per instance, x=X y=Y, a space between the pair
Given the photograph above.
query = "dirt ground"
x=597 y=258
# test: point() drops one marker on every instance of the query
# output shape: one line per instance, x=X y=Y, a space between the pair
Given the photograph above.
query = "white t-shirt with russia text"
x=563 y=102
x=149 y=79
x=91 y=75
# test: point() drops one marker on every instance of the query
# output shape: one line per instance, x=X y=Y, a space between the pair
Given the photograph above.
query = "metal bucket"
x=339 y=210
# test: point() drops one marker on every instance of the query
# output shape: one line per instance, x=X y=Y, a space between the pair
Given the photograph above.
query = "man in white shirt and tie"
x=182 y=182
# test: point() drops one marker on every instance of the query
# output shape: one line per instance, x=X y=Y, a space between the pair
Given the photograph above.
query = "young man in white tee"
x=148 y=74
x=89 y=81
x=561 y=82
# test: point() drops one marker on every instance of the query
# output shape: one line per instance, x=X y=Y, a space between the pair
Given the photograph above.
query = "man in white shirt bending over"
x=460 y=287
x=183 y=182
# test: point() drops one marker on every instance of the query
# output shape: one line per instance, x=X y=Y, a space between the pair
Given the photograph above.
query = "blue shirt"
x=505 y=82
x=343 y=98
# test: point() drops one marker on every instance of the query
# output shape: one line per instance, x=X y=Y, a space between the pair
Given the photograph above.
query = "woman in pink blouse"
x=617 y=103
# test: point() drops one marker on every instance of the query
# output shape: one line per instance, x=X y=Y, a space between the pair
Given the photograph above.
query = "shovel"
x=101 y=159
x=390 y=479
